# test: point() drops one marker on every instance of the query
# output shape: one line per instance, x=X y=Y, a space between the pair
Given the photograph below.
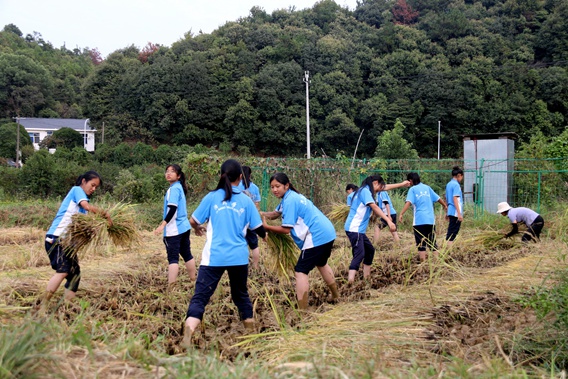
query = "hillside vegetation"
x=476 y=65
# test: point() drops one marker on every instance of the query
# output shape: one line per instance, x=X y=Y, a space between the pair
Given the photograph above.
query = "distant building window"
x=34 y=137
x=49 y=132
x=85 y=138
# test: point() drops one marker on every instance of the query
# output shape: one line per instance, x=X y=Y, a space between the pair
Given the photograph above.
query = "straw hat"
x=503 y=207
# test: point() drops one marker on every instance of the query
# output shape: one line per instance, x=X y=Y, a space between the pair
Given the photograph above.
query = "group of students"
x=372 y=197
x=233 y=222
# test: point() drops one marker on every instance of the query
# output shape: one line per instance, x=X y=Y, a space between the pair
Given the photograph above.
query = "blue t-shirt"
x=360 y=212
x=453 y=189
x=350 y=198
x=422 y=198
x=179 y=223
x=228 y=223
x=253 y=192
x=67 y=209
x=384 y=196
x=310 y=227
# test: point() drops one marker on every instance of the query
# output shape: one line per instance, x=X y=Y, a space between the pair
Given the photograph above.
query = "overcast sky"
x=113 y=24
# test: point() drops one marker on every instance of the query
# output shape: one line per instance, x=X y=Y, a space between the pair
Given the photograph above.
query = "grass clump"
x=20 y=350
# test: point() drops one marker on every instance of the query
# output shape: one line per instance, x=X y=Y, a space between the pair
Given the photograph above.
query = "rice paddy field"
x=457 y=316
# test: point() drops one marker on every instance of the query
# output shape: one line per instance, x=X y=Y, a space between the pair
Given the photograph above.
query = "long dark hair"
x=246 y=176
x=89 y=175
x=181 y=175
x=413 y=177
x=369 y=182
x=230 y=172
x=282 y=178
x=456 y=171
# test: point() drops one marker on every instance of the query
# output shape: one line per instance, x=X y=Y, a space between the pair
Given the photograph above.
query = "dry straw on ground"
x=91 y=231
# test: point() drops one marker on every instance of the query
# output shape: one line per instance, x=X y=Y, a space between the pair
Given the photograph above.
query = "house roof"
x=55 y=123
x=483 y=136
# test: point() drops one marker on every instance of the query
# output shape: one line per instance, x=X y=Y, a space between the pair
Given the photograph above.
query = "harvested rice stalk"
x=338 y=213
x=89 y=232
x=493 y=240
x=283 y=253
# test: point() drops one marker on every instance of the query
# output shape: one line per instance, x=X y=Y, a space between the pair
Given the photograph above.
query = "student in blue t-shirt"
x=350 y=190
x=422 y=199
x=66 y=262
x=362 y=206
x=310 y=229
x=175 y=225
x=454 y=199
x=384 y=201
x=251 y=190
x=229 y=213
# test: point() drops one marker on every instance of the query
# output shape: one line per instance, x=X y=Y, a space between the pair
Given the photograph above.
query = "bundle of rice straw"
x=88 y=232
x=283 y=253
x=338 y=213
x=493 y=240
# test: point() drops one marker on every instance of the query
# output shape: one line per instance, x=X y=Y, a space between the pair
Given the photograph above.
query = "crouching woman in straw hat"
x=230 y=214
x=530 y=218
x=65 y=262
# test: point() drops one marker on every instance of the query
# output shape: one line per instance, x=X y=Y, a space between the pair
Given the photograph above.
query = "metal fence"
x=537 y=184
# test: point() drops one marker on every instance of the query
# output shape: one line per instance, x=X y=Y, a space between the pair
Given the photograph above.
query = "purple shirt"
x=522 y=214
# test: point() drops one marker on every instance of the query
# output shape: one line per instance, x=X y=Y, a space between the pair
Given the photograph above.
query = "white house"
x=39 y=128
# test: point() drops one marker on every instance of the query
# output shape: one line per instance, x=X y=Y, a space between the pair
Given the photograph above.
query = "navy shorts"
x=208 y=278
x=178 y=245
x=63 y=262
x=453 y=228
x=363 y=250
x=315 y=257
x=384 y=224
x=425 y=236
x=252 y=239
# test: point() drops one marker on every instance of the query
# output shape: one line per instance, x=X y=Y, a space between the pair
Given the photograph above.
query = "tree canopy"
x=477 y=66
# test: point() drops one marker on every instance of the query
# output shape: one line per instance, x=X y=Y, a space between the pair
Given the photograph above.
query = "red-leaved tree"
x=95 y=56
x=403 y=13
x=148 y=50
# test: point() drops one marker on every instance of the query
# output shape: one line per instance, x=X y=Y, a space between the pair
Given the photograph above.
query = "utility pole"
x=86 y=138
x=18 y=142
x=439 y=122
x=307 y=81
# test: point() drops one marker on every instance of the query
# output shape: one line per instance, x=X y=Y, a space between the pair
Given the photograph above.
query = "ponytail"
x=246 y=176
x=230 y=171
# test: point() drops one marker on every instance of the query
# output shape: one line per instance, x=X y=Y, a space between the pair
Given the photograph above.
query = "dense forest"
x=476 y=65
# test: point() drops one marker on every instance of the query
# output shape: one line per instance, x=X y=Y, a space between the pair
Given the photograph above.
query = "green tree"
x=392 y=145
x=8 y=140
x=25 y=86
x=68 y=138
x=38 y=173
